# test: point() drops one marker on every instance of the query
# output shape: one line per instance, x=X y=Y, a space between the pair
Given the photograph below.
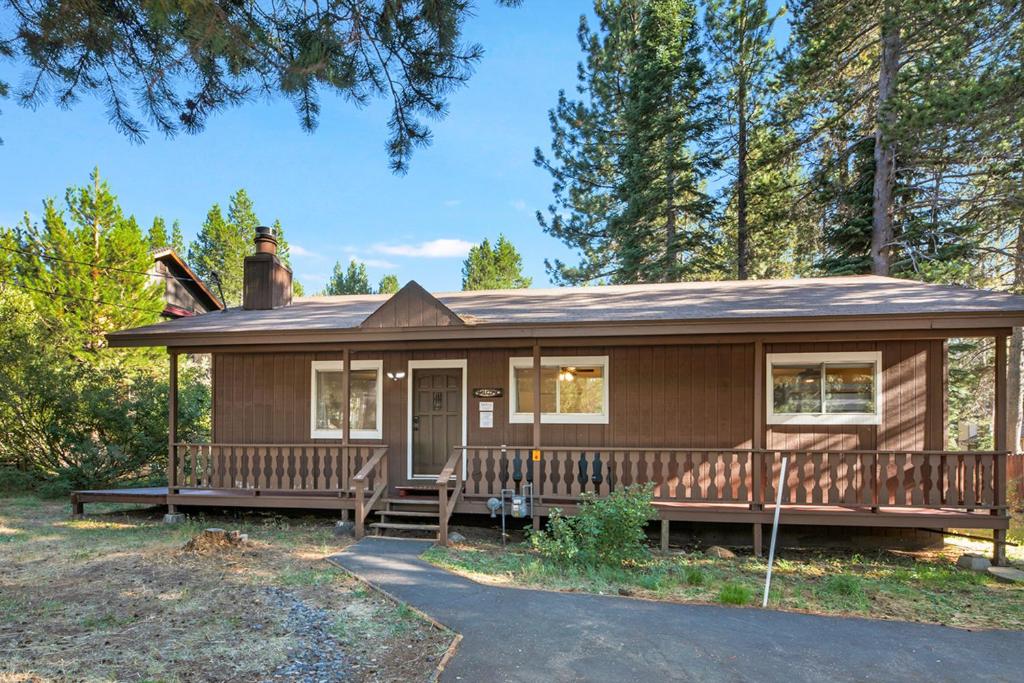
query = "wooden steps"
x=406 y=527
x=409 y=514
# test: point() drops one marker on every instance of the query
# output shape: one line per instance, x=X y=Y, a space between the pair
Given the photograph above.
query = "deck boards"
x=823 y=515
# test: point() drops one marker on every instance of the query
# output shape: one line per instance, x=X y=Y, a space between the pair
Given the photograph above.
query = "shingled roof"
x=810 y=304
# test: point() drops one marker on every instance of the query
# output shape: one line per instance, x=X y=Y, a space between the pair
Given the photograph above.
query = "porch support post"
x=535 y=518
x=172 y=427
x=346 y=388
x=757 y=442
x=999 y=430
x=664 y=534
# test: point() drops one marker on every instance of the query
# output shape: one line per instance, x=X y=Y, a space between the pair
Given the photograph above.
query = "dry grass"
x=908 y=586
x=116 y=597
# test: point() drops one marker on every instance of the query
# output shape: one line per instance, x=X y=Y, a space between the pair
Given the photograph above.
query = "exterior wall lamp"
x=396 y=376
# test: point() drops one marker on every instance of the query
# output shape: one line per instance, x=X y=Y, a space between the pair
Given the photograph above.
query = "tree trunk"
x=885 y=149
x=742 y=237
x=671 y=220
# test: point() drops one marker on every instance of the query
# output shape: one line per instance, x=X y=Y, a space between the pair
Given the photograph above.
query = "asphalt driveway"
x=512 y=634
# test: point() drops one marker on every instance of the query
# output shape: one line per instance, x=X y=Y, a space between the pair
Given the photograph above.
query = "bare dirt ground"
x=116 y=596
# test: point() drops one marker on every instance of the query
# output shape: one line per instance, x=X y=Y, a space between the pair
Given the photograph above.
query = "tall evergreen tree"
x=744 y=60
x=157 y=236
x=85 y=269
x=388 y=284
x=219 y=250
x=350 y=280
x=920 y=80
x=498 y=267
x=629 y=158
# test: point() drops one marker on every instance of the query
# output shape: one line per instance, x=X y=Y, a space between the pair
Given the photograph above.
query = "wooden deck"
x=902 y=489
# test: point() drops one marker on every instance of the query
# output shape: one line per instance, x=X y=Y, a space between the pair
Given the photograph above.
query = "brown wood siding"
x=913 y=402
x=694 y=395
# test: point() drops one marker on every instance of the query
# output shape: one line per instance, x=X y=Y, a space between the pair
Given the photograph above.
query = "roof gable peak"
x=412 y=306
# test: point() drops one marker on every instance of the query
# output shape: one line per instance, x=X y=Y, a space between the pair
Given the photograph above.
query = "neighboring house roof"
x=810 y=304
x=184 y=276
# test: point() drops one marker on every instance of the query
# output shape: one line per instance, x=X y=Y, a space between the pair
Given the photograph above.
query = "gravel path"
x=317 y=656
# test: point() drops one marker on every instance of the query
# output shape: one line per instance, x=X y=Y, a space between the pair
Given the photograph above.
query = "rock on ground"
x=1007 y=574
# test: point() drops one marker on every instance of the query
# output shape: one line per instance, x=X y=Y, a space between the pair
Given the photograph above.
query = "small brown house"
x=701 y=388
x=185 y=294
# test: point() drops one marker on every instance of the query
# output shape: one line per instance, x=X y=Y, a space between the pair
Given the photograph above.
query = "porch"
x=908 y=489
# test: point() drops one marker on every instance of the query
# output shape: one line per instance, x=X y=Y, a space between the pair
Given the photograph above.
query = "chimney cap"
x=266 y=241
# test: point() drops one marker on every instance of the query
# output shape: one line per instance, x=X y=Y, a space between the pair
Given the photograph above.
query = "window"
x=824 y=388
x=573 y=389
x=328 y=388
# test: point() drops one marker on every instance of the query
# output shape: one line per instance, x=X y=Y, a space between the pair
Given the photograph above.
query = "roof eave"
x=934 y=321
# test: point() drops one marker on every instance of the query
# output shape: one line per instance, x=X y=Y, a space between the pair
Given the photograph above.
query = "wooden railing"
x=373 y=474
x=447 y=500
x=268 y=467
x=938 y=479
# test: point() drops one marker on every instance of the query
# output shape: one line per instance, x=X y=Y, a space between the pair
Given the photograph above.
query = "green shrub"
x=13 y=480
x=606 y=530
x=846 y=585
x=734 y=594
x=694 y=576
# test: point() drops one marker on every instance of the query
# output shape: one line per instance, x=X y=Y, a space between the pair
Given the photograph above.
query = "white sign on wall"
x=486 y=419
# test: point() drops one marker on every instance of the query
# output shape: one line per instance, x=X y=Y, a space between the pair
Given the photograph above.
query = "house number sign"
x=492 y=392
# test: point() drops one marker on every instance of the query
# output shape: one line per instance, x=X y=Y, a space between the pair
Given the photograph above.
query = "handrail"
x=874 y=478
x=308 y=444
x=446 y=504
x=715 y=449
x=363 y=506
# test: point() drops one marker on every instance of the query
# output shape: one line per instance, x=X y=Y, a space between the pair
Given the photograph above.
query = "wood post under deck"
x=172 y=425
x=346 y=392
x=757 y=436
x=999 y=429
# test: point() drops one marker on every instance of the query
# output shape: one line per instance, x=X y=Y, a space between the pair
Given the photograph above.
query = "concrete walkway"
x=527 y=635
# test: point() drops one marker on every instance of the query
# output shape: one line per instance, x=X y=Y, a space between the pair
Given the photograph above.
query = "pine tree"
x=500 y=267
x=352 y=280
x=187 y=61
x=87 y=272
x=157 y=236
x=216 y=255
x=629 y=159
x=923 y=81
x=177 y=239
x=745 y=63
x=219 y=250
x=388 y=284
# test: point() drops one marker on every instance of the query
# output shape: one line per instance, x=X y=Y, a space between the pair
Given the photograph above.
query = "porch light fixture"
x=395 y=376
x=567 y=374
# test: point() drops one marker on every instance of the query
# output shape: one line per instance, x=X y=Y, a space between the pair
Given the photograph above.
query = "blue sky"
x=332 y=190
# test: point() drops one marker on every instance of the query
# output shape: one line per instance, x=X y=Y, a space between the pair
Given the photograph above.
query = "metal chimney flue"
x=266 y=240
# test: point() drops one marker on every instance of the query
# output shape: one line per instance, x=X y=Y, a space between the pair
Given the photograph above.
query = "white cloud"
x=296 y=250
x=376 y=262
x=518 y=204
x=440 y=248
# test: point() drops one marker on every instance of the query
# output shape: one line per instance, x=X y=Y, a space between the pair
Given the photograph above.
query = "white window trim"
x=557 y=418
x=446 y=364
x=774 y=418
x=338 y=365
